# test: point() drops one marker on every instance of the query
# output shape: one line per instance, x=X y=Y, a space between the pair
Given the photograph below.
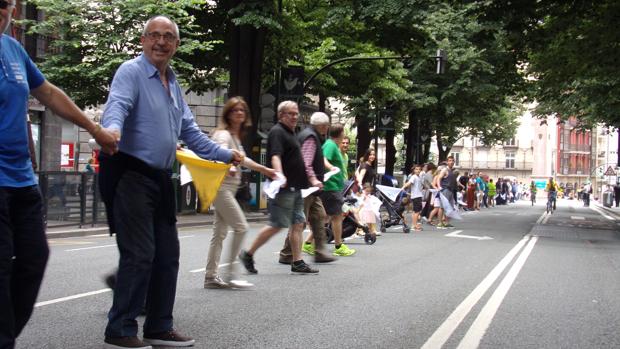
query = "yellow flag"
x=207 y=176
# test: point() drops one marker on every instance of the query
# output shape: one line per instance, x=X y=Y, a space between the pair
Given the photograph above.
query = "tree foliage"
x=92 y=38
x=569 y=50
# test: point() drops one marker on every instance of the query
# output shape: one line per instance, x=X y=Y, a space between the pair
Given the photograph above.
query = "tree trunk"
x=322 y=102
x=246 y=52
x=443 y=154
x=410 y=140
x=363 y=135
x=390 y=153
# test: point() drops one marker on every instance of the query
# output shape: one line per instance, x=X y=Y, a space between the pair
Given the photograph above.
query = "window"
x=511 y=142
x=510 y=160
x=457 y=158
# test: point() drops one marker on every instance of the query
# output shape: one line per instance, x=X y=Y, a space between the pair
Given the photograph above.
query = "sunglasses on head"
x=5 y=4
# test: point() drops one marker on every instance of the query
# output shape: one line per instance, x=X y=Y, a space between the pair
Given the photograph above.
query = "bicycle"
x=551 y=201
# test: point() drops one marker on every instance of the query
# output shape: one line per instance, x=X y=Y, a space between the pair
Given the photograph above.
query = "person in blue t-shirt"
x=23 y=246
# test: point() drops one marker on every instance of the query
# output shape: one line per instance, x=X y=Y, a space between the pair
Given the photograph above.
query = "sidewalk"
x=183 y=221
x=613 y=210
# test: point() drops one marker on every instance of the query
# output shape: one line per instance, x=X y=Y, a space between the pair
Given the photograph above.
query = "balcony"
x=496 y=165
x=577 y=148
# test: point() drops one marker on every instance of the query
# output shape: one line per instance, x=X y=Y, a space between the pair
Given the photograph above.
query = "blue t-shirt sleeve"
x=34 y=75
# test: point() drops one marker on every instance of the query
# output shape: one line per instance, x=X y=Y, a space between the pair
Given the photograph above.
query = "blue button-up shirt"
x=152 y=120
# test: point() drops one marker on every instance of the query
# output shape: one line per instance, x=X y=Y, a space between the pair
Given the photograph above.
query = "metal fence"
x=71 y=198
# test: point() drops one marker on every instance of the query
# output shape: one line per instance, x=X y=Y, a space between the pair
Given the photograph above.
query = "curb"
x=81 y=232
x=616 y=214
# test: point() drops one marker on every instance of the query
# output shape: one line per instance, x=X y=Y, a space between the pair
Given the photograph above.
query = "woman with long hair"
x=366 y=172
x=231 y=128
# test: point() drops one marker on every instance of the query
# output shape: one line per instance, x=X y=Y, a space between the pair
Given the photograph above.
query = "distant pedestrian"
x=146 y=106
x=415 y=185
x=286 y=209
x=617 y=194
x=23 y=244
x=231 y=129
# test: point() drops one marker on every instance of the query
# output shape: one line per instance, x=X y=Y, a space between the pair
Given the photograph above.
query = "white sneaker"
x=240 y=284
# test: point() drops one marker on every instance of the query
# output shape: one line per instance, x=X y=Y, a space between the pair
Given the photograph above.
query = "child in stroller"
x=392 y=210
x=350 y=223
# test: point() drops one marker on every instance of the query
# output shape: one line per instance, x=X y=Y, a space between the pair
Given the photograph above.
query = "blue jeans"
x=149 y=258
x=22 y=236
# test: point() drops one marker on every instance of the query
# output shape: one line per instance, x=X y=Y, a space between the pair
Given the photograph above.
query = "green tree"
x=92 y=38
x=569 y=50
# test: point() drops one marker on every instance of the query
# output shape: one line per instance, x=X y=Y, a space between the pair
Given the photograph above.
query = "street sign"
x=292 y=83
x=386 y=120
x=610 y=171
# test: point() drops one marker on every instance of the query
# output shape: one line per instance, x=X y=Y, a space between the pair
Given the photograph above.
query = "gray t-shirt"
x=416 y=186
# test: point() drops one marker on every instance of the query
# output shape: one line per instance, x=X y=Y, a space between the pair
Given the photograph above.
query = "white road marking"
x=577 y=218
x=64 y=299
x=542 y=216
x=545 y=219
x=202 y=270
x=443 y=333
x=594 y=208
x=112 y=245
x=457 y=234
x=483 y=320
x=90 y=248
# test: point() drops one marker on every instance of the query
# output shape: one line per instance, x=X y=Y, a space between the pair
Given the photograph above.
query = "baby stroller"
x=350 y=223
x=393 y=207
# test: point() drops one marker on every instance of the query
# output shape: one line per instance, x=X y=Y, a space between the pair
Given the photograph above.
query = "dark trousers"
x=23 y=256
x=149 y=258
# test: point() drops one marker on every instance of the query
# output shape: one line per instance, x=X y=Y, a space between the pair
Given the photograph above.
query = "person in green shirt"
x=344 y=149
x=492 y=192
x=331 y=196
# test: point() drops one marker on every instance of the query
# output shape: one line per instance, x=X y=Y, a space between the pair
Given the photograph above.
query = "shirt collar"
x=151 y=70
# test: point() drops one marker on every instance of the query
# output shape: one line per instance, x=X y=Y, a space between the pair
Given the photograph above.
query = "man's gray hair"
x=176 y=27
x=319 y=118
x=286 y=105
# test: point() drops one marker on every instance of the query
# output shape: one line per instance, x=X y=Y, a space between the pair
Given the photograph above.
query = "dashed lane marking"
x=112 y=245
x=64 y=299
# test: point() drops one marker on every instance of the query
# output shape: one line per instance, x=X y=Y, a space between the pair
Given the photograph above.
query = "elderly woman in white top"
x=228 y=213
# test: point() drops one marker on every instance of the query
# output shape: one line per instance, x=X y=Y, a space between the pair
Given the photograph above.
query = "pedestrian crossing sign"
x=610 y=171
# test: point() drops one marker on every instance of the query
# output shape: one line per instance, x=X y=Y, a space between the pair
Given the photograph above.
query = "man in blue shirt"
x=146 y=109
x=23 y=246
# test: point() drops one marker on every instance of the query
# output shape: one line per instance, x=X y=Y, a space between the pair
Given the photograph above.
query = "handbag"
x=243 y=194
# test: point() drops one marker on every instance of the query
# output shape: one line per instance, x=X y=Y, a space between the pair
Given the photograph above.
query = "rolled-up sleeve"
x=123 y=95
x=199 y=142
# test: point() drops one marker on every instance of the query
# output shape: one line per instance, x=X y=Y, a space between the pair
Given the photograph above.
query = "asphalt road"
x=508 y=277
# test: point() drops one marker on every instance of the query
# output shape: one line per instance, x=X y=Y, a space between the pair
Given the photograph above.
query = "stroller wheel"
x=383 y=230
x=370 y=239
x=406 y=230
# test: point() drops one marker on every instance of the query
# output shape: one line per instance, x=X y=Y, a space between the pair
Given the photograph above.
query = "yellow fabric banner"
x=207 y=176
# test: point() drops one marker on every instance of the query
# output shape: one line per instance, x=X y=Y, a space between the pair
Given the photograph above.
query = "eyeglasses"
x=5 y=4
x=155 y=36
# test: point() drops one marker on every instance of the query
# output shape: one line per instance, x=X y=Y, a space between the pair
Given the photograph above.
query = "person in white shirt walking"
x=415 y=183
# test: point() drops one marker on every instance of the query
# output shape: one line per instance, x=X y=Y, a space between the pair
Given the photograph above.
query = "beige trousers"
x=228 y=213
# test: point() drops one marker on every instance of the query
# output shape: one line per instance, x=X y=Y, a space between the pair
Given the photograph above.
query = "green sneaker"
x=308 y=247
x=344 y=251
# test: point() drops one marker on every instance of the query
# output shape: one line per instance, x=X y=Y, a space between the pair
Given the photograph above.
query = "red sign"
x=67 y=155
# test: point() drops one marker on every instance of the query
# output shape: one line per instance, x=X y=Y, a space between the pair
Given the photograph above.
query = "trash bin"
x=608 y=199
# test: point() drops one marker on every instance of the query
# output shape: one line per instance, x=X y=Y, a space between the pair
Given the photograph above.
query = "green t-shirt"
x=331 y=152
